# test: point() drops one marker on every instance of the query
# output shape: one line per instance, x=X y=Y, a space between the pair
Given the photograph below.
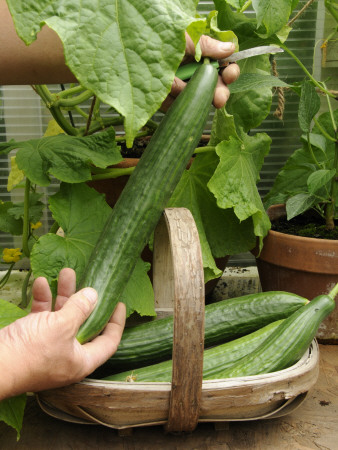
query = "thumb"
x=79 y=307
x=214 y=48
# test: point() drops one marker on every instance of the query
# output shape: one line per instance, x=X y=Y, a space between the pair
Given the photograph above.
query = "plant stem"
x=301 y=65
x=5 y=278
x=81 y=112
x=330 y=6
x=311 y=152
x=333 y=292
x=114 y=173
x=246 y=5
x=24 y=297
x=103 y=123
x=206 y=148
x=300 y=12
x=90 y=115
x=139 y=134
x=57 y=114
x=71 y=102
x=71 y=91
x=26 y=226
x=323 y=131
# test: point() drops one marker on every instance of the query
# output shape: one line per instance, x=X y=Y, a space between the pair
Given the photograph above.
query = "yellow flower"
x=10 y=255
x=35 y=226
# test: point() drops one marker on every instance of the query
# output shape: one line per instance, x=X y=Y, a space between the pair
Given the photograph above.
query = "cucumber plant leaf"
x=12 y=409
x=297 y=176
x=220 y=231
x=273 y=15
x=251 y=107
x=126 y=52
x=235 y=178
x=298 y=204
x=249 y=81
x=319 y=179
x=9 y=313
x=67 y=158
x=309 y=105
x=12 y=412
x=15 y=175
x=36 y=208
x=8 y=223
x=52 y=252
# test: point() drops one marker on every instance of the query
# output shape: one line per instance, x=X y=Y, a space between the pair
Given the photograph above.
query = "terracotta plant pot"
x=305 y=266
x=112 y=188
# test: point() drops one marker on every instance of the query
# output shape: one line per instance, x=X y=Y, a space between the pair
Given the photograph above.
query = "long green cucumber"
x=215 y=359
x=225 y=320
x=287 y=344
x=145 y=196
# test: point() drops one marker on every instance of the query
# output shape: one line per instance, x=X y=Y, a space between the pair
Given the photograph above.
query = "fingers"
x=66 y=287
x=78 y=308
x=42 y=296
x=215 y=49
x=221 y=95
x=210 y=47
x=105 y=345
x=230 y=73
x=177 y=86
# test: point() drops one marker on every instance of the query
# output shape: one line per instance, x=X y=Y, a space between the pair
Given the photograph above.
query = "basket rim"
x=306 y=363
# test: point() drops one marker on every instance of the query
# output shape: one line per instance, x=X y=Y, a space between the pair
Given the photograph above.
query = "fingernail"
x=90 y=294
x=227 y=46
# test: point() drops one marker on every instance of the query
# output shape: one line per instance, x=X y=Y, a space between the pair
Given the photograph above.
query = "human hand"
x=40 y=351
x=214 y=49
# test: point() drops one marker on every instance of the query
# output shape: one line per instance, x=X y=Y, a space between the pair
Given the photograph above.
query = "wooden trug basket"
x=187 y=400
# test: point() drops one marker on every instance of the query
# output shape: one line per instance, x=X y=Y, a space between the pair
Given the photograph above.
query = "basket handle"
x=178 y=281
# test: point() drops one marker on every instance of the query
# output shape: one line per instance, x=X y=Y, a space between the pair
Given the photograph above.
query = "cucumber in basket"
x=215 y=359
x=145 y=196
x=225 y=320
x=275 y=347
x=288 y=343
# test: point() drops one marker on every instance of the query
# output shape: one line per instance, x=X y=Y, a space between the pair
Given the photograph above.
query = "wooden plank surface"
x=313 y=426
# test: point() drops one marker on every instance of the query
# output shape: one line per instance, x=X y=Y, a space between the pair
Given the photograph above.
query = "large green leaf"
x=209 y=26
x=249 y=81
x=223 y=126
x=298 y=204
x=82 y=227
x=138 y=295
x=36 y=208
x=234 y=181
x=220 y=231
x=251 y=107
x=293 y=178
x=309 y=105
x=8 y=223
x=227 y=19
x=272 y=14
x=12 y=409
x=67 y=158
x=12 y=412
x=126 y=51
x=9 y=313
